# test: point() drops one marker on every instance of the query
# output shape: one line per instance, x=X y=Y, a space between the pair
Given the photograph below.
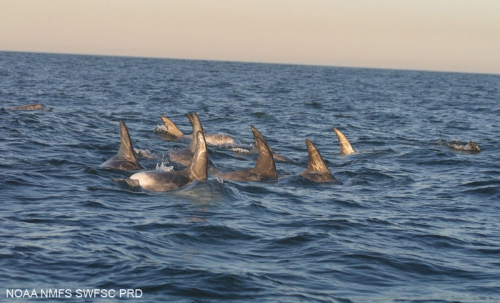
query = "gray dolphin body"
x=158 y=180
x=317 y=170
x=125 y=158
x=176 y=134
x=38 y=106
x=345 y=146
x=264 y=169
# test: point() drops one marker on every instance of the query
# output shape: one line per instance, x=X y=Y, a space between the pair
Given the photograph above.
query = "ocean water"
x=416 y=218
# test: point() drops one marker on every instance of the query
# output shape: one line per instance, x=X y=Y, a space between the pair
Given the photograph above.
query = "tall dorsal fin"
x=171 y=127
x=265 y=165
x=316 y=163
x=345 y=146
x=195 y=122
x=126 y=150
x=197 y=169
x=190 y=117
x=257 y=134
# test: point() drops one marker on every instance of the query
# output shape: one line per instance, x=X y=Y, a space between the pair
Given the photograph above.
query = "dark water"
x=415 y=220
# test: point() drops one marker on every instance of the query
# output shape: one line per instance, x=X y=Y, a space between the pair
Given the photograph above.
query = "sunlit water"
x=417 y=218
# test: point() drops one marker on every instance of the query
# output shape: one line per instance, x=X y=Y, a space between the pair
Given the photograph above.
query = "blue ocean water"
x=417 y=218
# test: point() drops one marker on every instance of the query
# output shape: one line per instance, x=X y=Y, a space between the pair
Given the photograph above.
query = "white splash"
x=144 y=153
x=241 y=150
x=161 y=129
x=163 y=167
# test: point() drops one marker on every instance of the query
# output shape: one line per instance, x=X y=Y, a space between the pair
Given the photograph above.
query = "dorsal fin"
x=126 y=150
x=197 y=169
x=316 y=162
x=257 y=134
x=345 y=146
x=265 y=165
x=474 y=146
x=195 y=122
x=171 y=127
x=190 y=117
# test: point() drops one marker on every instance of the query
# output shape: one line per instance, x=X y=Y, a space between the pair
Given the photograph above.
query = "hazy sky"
x=445 y=35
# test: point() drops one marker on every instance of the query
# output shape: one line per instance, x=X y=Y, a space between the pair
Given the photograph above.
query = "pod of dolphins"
x=195 y=157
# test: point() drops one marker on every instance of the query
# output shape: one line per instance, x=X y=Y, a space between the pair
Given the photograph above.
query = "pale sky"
x=442 y=35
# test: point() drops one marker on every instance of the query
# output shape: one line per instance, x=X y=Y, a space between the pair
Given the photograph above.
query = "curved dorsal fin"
x=265 y=165
x=345 y=146
x=256 y=143
x=171 y=127
x=197 y=169
x=474 y=146
x=316 y=162
x=195 y=122
x=126 y=150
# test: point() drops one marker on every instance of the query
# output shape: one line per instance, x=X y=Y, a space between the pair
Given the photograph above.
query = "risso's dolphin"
x=317 y=170
x=255 y=149
x=125 y=158
x=159 y=180
x=185 y=155
x=345 y=146
x=211 y=139
x=265 y=168
x=38 y=106
x=470 y=147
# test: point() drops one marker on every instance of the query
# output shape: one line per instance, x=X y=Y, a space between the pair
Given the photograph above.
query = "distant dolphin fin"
x=316 y=162
x=265 y=165
x=171 y=127
x=197 y=169
x=195 y=122
x=345 y=146
x=474 y=146
x=126 y=150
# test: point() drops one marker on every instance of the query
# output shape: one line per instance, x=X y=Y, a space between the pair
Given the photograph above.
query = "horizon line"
x=251 y=62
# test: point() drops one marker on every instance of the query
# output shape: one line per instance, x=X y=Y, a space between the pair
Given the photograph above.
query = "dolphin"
x=265 y=168
x=125 y=158
x=38 y=106
x=211 y=139
x=158 y=180
x=276 y=156
x=345 y=146
x=470 y=147
x=317 y=170
x=173 y=131
x=185 y=155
